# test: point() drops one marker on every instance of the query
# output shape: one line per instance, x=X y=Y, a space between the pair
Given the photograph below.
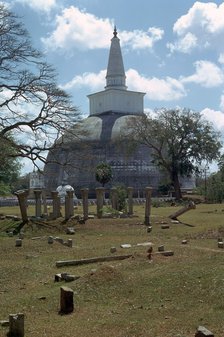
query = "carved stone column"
x=85 y=204
x=148 y=194
x=22 y=198
x=37 y=194
x=99 y=201
x=113 y=195
x=130 y=200
x=69 y=205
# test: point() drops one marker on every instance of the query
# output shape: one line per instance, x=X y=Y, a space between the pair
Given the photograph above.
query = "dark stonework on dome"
x=108 y=120
x=81 y=156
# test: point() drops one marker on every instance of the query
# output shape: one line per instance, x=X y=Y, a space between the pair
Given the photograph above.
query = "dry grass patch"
x=168 y=297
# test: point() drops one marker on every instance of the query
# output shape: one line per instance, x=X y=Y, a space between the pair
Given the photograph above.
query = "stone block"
x=161 y=248
x=70 y=230
x=203 y=332
x=149 y=229
x=184 y=242
x=168 y=253
x=165 y=226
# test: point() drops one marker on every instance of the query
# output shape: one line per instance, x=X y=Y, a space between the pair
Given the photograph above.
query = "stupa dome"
x=98 y=138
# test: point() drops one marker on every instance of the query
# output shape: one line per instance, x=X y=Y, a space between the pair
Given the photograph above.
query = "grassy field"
x=167 y=297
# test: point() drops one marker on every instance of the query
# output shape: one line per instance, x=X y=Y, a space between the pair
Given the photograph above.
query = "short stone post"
x=69 y=205
x=113 y=195
x=99 y=201
x=130 y=200
x=55 y=204
x=66 y=300
x=148 y=193
x=16 y=325
x=37 y=194
x=22 y=198
x=85 y=204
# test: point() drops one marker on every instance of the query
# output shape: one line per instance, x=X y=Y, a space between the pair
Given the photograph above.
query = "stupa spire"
x=115 y=77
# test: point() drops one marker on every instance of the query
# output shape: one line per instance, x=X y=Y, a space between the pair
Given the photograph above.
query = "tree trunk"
x=176 y=185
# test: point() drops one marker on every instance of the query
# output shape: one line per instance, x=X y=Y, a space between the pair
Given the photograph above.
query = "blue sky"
x=172 y=50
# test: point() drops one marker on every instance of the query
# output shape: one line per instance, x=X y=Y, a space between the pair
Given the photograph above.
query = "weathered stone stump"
x=19 y=242
x=50 y=240
x=69 y=243
x=203 y=332
x=113 y=250
x=149 y=229
x=161 y=248
x=148 y=193
x=220 y=244
x=130 y=200
x=85 y=204
x=66 y=300
x=16 y=325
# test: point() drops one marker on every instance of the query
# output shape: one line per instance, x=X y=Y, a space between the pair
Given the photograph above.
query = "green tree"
x=33 y=109
x=103 y=173
x=179 y=140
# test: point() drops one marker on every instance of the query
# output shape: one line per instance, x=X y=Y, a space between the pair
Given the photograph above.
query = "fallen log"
x=91 y=260
x=183 y=210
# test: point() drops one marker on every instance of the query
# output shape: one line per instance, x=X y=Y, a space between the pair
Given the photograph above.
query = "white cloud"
x=185 y=45
x=76 y=28
x=207 y=74
x=139 y=39
x=40 y=5
x=205 y=22
x=91 y=80
x=167 y=89
x=215 y=117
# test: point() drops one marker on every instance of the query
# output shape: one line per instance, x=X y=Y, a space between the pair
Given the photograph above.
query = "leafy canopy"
x=179 y=140
x=103 y=173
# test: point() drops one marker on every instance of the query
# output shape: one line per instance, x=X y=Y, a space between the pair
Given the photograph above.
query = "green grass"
x=168 y=297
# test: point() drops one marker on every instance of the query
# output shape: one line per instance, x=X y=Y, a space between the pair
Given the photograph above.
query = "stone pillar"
x=37 y=194
x=16 y=325
x=55 y=204
x=69 y=205
x=148 y=193
x=66 y=300
x=113 y=195
x=22 y=198
x=85 y=204
x=99 y=201
x=130 y=200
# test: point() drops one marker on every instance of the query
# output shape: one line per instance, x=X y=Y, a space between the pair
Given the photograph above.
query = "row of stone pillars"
x=69 y=204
